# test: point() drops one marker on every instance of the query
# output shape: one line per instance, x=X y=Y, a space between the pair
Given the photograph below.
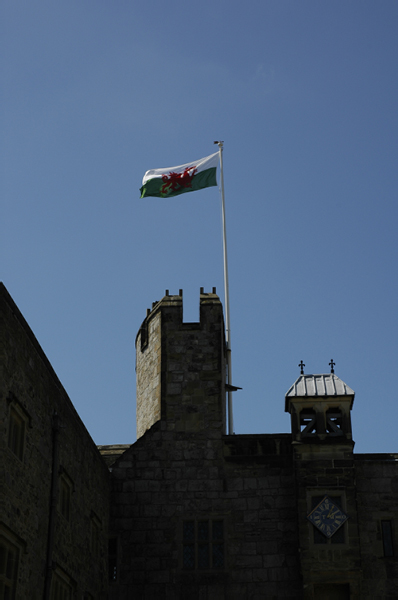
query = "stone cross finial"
x=301 y=365
x=332 y=364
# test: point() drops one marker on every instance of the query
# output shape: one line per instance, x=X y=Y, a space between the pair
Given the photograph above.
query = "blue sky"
x=304 y=95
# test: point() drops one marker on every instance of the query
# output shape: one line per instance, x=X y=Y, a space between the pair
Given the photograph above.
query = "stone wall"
x=327 y=468
x=184 y=469
x=358 y=564
x=377 y=498
x=247 y=482
x=148 y=370
x=31 y=391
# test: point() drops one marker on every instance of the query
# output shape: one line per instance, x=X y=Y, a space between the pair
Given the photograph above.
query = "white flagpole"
x=226 y=291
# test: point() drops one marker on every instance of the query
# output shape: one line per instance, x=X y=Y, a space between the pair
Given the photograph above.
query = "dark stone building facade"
x=196 y=513
x=54 y=486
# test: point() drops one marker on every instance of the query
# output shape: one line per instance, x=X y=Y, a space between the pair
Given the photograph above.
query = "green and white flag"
x=172 y=181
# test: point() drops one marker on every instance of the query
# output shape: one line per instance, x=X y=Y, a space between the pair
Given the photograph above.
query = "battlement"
x=173 y=306
x=181 y=366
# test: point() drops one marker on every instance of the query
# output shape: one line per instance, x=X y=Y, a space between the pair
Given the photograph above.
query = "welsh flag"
x=173 y=181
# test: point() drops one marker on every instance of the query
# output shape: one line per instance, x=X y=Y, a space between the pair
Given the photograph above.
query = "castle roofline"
x=176 y=301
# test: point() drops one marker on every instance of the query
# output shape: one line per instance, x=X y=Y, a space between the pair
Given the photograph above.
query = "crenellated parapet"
x=181 y=366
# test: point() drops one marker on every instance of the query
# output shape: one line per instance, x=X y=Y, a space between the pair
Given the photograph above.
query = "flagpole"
x=226 y=291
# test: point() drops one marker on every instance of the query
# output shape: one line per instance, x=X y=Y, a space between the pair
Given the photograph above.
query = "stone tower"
x=181 y=367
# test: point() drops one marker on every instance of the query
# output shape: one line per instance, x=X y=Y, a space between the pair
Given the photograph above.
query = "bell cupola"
x=320 y=409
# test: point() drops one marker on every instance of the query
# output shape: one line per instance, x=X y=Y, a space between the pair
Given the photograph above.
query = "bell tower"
x=320 y=408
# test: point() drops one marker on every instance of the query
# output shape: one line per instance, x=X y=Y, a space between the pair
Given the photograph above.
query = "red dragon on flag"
x=173 y=181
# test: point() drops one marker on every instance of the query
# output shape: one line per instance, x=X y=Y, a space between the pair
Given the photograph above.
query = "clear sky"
x=304 y=94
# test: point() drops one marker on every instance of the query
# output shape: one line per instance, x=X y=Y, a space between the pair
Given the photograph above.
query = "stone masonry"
x=181 y=367
x=45 y=541
x=184 y=468
x=168 y=477
x=376 y=478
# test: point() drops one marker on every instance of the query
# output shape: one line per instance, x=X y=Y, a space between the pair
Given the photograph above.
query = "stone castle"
x=187 y=511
